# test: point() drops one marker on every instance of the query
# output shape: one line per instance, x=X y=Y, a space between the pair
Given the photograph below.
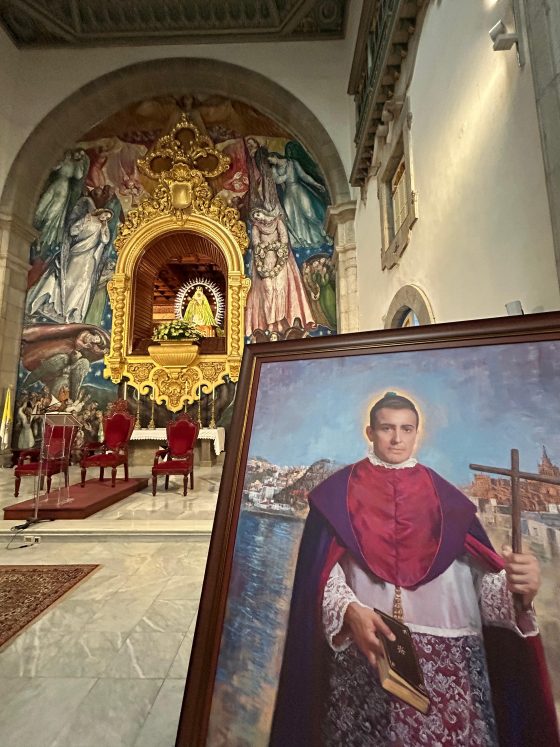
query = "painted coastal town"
x=272 y=490
x=282 y=492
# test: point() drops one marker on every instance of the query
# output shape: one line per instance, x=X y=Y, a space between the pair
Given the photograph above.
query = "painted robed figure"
x=199 y=312
x=388 y=533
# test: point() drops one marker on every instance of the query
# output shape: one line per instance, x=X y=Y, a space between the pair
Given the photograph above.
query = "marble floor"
x=141 y=514
x=106 y=666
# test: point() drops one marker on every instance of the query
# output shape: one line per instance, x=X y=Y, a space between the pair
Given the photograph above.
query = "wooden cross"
x=515 y=475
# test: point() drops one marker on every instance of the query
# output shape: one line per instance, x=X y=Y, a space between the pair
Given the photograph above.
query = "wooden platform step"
x=83 y=502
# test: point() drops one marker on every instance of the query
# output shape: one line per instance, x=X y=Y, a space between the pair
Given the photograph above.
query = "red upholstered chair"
x=57 y=447
x=178 y=458
x=118 y=425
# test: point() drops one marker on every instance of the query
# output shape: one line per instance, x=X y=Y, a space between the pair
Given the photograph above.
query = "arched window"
x=407 y=318
x=410 y=307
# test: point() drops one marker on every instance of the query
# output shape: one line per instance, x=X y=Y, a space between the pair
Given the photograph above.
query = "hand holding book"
x=399 y=668
x=366 y=627
x=388 y=646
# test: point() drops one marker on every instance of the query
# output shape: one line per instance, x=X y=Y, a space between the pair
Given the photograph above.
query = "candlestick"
x=199 y=393
x=137 y=424
x=125 y=391
x=213 y=412
x=152 y=423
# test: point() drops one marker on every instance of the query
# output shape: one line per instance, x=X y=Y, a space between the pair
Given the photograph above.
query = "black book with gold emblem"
x=399 y=670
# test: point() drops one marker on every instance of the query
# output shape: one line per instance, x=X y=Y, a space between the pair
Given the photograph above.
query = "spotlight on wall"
x=502 y=39
x=514 y=308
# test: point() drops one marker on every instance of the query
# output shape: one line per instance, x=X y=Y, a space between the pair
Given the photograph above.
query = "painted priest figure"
x=391 y=534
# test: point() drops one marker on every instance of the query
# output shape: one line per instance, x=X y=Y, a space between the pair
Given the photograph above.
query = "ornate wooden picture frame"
x=480 y=387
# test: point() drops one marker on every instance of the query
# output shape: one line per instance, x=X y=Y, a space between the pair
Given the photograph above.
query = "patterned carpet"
x=28 y=590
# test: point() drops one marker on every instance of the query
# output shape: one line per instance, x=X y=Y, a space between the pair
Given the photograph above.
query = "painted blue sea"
x=253 y=635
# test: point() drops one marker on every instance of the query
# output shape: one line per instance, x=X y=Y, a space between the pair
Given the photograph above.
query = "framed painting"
x=300 y=520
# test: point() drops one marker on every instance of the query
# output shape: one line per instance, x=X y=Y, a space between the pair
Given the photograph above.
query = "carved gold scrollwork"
x=213 y=374
x=180 y=163
x=139 y=375
x=139 y=372
x=244 y=291
x=234 y=369
x=174 y=386
x=211 y=371
x=184 y=145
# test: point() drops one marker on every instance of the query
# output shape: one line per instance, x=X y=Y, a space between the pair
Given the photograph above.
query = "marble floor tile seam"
x=110 y=731
x=183 y=518
x=88 y=652
x=112 y=561
x=126 y=529
x=39 y=706
x=128 y=663
x=160 y=728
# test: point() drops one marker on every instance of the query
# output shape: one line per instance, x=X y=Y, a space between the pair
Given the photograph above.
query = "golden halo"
x=403 y=393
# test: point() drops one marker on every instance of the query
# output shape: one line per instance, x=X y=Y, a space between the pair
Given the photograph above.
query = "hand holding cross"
x=523 y=575
x=522 y=569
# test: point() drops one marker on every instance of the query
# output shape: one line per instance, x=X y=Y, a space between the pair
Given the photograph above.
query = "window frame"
x=393 y=147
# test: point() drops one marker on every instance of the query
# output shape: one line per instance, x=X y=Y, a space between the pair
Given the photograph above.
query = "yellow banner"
x=6 y=420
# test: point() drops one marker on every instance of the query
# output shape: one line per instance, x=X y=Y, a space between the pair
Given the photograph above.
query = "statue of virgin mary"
x=199 y=313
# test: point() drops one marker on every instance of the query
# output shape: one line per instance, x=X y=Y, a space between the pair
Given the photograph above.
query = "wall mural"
x=273 y=182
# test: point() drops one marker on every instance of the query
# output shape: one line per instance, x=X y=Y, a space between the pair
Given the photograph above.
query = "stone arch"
x=104 y=96
x=409 y=298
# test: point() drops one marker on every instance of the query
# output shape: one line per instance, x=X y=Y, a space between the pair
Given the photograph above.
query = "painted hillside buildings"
x=535 y=496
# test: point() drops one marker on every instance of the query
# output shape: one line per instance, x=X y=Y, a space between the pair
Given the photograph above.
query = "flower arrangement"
x=178 y=329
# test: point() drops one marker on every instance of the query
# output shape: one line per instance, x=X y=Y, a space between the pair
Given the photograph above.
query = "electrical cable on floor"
x=17 y=530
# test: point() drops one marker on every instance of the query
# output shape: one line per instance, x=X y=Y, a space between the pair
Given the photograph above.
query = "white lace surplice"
x=456 y=603
x=446 y=617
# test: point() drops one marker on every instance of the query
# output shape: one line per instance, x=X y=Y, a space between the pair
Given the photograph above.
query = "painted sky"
x=475 y=405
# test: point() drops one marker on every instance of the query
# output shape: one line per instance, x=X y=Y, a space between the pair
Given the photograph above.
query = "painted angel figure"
x=304 y=195
x=90 y=237
x=66 y=288
x=60 y=193
x=46 y=297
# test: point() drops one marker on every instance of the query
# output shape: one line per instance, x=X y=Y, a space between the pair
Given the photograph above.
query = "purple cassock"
x=350 y=514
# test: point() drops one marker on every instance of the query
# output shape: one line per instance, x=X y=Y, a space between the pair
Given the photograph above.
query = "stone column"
x=15 y=239
x=543 y=32
x=340 y=225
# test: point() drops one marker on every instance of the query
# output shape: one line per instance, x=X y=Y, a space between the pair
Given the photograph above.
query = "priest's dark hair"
x=393 y=401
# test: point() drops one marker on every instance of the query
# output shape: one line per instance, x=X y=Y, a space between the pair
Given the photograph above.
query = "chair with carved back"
x=118 y=424
x=178 y=458
x=53 y=458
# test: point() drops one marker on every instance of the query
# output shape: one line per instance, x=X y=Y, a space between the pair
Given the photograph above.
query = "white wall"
x=315 y=72
x=483 y=236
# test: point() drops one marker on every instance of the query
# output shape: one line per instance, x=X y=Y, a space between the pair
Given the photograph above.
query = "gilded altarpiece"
x=180 y=164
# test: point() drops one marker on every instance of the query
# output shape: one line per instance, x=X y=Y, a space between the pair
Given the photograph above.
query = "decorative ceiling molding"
x=101 y=23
